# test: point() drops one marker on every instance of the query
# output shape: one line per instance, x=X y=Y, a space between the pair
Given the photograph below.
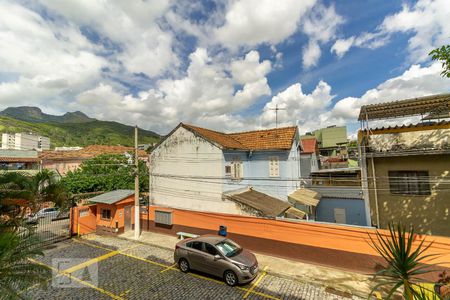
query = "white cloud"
x=417 y=81
x=49 y=58
x=249 y=69
x=298 y=107
x=204 y=96
x=145 y=47
x=316 y=110
x=252 y=22
x=341 y=46
x=311 y=54
x=426 y=20
x=320 y=26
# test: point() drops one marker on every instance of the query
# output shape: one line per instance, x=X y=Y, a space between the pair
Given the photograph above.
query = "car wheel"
x=183 y=265
x=230 y=278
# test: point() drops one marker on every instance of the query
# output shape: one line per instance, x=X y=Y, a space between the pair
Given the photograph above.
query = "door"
x=212 y=266
x=196 y=256
x=339 y=216
x=127 y=218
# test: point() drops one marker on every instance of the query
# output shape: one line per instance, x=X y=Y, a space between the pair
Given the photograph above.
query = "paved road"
x=112 y=268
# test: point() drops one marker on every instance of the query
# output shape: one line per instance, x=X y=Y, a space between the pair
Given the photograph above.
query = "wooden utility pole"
x=276 y=109
x=137 y=223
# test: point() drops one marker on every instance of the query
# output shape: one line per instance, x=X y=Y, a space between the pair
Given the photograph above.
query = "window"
x=210 y=249
x=274 y=166
x=106 y=214
x=163 y=217
x=228 y=248
x=237 y=170
x=409 y=182
x=84 y=212
x=195 y=245
x=227 y=171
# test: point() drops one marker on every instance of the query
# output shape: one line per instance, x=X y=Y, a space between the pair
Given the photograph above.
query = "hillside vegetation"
x=80 y=134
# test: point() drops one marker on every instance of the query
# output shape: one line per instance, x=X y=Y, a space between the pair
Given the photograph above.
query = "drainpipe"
x=375 y=192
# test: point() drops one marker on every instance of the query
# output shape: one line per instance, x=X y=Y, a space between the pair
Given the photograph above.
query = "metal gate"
x=51 y=230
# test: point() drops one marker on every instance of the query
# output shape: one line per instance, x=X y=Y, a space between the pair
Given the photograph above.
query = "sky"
x=222 y=64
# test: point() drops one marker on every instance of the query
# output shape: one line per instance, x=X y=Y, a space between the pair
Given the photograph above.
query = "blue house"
x=250 y=172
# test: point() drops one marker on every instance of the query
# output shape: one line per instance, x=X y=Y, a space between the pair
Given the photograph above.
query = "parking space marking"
x=255 y=283
x=172 y=267
x=63 y=273
x=91 y=261
x=168 y=268
x=124 y=293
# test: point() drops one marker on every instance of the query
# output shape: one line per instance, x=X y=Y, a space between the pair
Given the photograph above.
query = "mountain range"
x=72 y=128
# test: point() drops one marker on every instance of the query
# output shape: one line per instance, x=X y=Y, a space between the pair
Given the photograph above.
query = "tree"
x=18 y=242
x=18 y=245
x=403 y=262
x=16 y=187
x=442 y=54
x=106 y=173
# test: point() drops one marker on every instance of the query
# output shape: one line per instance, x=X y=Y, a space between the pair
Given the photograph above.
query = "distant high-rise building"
x=25 y=141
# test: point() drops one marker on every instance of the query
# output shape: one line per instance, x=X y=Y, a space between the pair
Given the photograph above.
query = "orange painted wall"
x=328 y=236
x=117 y=213
x=86 y=224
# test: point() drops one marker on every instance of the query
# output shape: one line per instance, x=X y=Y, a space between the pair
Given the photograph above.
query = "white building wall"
x=187 y=173
x=44 y=143
x=8 y=141
x=25 y=141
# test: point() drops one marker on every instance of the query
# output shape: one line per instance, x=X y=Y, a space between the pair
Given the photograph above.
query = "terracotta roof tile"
x=217 y=137
x=269 y=139
x=309 y=145
x=19 y=159
x=89 y=152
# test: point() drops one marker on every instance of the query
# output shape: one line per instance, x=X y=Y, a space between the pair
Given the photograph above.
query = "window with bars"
x=274 y=166
x=409 y=182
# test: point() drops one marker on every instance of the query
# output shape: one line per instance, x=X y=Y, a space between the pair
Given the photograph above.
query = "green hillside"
x=80 y=134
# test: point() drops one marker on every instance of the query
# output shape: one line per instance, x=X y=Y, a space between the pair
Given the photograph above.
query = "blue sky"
x=219 y=64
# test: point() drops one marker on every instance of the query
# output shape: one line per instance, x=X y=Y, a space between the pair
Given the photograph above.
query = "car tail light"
x=177 y=246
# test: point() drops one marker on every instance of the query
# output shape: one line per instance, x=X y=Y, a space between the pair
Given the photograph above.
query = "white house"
x=249 y=172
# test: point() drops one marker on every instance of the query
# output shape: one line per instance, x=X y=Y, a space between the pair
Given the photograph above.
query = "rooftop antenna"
x=276 y=109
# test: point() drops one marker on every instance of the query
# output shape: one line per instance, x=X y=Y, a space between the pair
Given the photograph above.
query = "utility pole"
x=276 y=109
x=137 y=213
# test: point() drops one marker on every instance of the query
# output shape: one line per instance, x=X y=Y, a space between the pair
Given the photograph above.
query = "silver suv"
x=217 y=256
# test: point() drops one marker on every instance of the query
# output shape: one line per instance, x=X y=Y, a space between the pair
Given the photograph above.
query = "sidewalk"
x=342 y=281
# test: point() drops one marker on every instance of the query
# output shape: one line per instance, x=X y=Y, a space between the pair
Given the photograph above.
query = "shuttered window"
x=163 y=217
x=274 y=166
x=237 y=169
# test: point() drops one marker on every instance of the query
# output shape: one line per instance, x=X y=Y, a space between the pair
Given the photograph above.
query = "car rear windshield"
x=228 y=248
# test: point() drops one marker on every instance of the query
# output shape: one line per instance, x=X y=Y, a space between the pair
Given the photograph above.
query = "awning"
x=305 y=197
x=297 y=213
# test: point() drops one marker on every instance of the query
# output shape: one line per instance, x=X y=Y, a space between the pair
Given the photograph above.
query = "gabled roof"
x=269 y=139
x=220 y=138
x=309 y=145
x=112 y=197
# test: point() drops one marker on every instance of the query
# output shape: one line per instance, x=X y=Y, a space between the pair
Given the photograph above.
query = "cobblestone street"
x=98 y=267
